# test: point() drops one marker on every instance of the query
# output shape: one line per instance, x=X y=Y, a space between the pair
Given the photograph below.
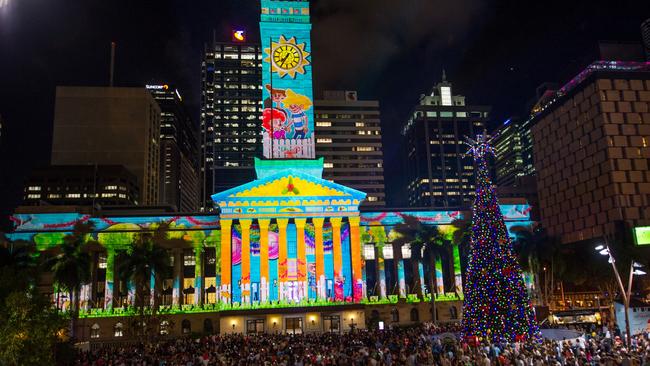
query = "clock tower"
x=288 y=115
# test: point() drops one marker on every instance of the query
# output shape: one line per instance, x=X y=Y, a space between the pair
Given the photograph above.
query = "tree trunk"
x=417 y=279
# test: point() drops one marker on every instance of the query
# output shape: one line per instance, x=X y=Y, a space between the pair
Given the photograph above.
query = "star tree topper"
x=481 y=146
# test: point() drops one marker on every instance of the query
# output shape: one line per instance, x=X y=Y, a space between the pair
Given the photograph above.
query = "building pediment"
x=289 y=192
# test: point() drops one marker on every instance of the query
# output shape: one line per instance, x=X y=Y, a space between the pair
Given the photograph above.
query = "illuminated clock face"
x=287 y=57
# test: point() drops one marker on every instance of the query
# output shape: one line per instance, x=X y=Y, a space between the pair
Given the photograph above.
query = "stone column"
x=320 y=257
x=440 y=283
x=381 y=270
x=337 y=258
x=458 y=275
x=199 y=281
x=178 y=277
x=264 y=259
x=110 y=278
x=226 y=277
x=245 y=261
x=355 y=248
x=282 y=257
x=302 y=258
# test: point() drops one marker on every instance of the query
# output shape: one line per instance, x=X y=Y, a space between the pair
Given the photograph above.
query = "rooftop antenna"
x=112 y=72
x=444 y=75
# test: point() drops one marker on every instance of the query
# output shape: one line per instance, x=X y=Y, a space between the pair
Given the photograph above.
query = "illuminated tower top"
x=288 y=115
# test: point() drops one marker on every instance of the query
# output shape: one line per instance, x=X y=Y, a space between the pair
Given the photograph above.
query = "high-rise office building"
x=231 y=109
x=513 y=151
x=348 y=136
x=109 y=126
x=81 y=185
x=437 y=171
x=591 y=154
x=179 y=155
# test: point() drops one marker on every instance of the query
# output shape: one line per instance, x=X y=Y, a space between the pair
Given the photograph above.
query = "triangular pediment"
x=288 y=191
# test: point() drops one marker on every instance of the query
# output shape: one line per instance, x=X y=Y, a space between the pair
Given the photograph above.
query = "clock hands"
x=284 y=59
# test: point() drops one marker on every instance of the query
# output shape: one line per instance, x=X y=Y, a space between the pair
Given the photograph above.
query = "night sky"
x=495 y=52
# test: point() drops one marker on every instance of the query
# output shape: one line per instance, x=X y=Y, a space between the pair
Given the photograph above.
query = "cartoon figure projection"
x=274 y=122
x=277 y=96
x=297 y=104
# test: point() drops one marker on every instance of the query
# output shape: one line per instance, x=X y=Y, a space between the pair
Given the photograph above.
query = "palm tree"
x=462 y=237
x=529 y=244
x=70 y=267
x=147 y=258
x=420 y=237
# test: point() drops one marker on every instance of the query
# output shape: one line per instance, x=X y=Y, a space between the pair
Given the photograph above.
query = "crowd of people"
x=423 y=345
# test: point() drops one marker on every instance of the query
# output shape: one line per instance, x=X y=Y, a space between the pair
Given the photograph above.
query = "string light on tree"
x=496 y=306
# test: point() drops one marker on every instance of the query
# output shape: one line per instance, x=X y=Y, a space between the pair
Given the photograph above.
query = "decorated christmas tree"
x=497 y=307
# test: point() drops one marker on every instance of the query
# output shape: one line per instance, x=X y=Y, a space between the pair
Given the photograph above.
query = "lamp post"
x=634 y=270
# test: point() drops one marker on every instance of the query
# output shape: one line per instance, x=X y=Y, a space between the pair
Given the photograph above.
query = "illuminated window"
x=328 y=165
x=461 y=114
x=118 y=330
x=445 y=93
x=94 y=331
x=34 y=188
x=164 y=327
x=369 y=252
x=188 y=258
x=33 y=196
x=432 y=114
x=364 y=148
x=360 y=124
x=324 y=124
x=102 y=261
x=110 y=188
x=388 y=252
x=73 y=195
x=406 y=252
x=324 y=141
x=53 y=195
x=372 y=199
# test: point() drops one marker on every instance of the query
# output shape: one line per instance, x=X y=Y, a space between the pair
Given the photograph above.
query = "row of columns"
x=110 y=283
x=301 y=258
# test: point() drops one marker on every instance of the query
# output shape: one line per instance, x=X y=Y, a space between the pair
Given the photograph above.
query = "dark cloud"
x=355 y=40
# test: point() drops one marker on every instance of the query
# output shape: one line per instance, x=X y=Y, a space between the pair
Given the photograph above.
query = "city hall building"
x=287 y=252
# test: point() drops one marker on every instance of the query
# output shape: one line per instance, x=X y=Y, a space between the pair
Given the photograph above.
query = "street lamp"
x=634 y=270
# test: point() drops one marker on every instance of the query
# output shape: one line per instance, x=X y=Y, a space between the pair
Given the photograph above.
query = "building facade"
x=230 y=116
x=82 y=185
x=437 y=171
x=349 y=138
x=513 y=151
x=591 y=153
x=179 y=151
x=220 y=278
x=109 y=126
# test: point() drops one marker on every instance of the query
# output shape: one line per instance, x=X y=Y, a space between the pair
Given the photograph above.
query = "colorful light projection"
x=288 y=115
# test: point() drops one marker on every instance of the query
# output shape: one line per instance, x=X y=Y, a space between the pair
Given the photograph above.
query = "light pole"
x=634 y=270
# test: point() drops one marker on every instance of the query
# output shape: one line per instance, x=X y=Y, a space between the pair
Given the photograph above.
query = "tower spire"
x=444 y=75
